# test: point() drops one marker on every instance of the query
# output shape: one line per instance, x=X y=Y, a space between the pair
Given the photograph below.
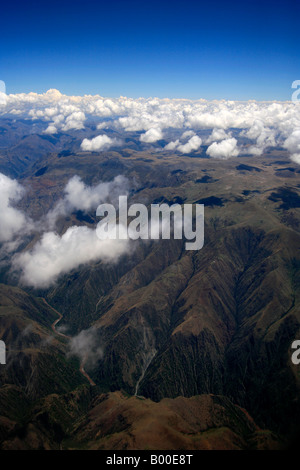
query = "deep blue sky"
x=222 y=49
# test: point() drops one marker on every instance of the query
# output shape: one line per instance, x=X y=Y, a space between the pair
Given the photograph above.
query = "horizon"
x=161 y=98
x=238 y=127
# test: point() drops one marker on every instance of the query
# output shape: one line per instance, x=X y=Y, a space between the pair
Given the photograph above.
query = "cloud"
x=13 y=221
x=64 y=112
x=192 y=145
x=172 y=145
x=187 y=134
x=79 y=196
x=264 y=136
x=99 y=143
x=51 y=129
x=216 y=135
x=292 y=143
x=54 y=255
x=225 y=149
x=265 y=123
x=152 y=135
x=75 y=120
x=86 y=346
x=295 y=157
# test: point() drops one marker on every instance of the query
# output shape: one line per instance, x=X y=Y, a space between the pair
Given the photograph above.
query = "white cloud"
x=55 y=255
x=172 y=145
x=99 y=143
x=187 y=134
x=152 y=135
x=253 y=150
x=102 y=125
x=50 y=130
x=292 y=143
x=79 y=196
x=86 y=347
x=75 y=120
x=13 y=221
x=192 y=145
x=263 y=135
x=267 y=123
x=225 y=149
x=216 y=135
x=295 y=157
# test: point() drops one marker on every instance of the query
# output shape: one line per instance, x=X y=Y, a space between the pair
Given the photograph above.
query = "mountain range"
x=162 y=348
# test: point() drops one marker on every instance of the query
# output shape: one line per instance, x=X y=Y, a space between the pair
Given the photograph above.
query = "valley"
x=163 y=347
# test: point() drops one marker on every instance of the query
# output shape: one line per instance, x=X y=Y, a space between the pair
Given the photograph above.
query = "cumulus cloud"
x=292 y=143
x=152 y=135
x=54 y=255
x=74 y=120
x=172 y=145
x=193 y=144
x=187 y=134
x=225 y=149
x=65 y=113
x=79 y=196
x=99 y=143
x=264 y=136
x=51 y=129
x=266 y=123
x=216 y=135
x=13 y=221
x=295 y=157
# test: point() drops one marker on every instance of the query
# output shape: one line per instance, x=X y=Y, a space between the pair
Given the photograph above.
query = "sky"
x=231 y=50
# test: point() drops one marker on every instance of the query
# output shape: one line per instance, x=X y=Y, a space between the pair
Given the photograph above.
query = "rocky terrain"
x=193 y=347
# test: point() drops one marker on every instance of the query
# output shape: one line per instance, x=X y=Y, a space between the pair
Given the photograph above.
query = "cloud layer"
x=263 y=123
